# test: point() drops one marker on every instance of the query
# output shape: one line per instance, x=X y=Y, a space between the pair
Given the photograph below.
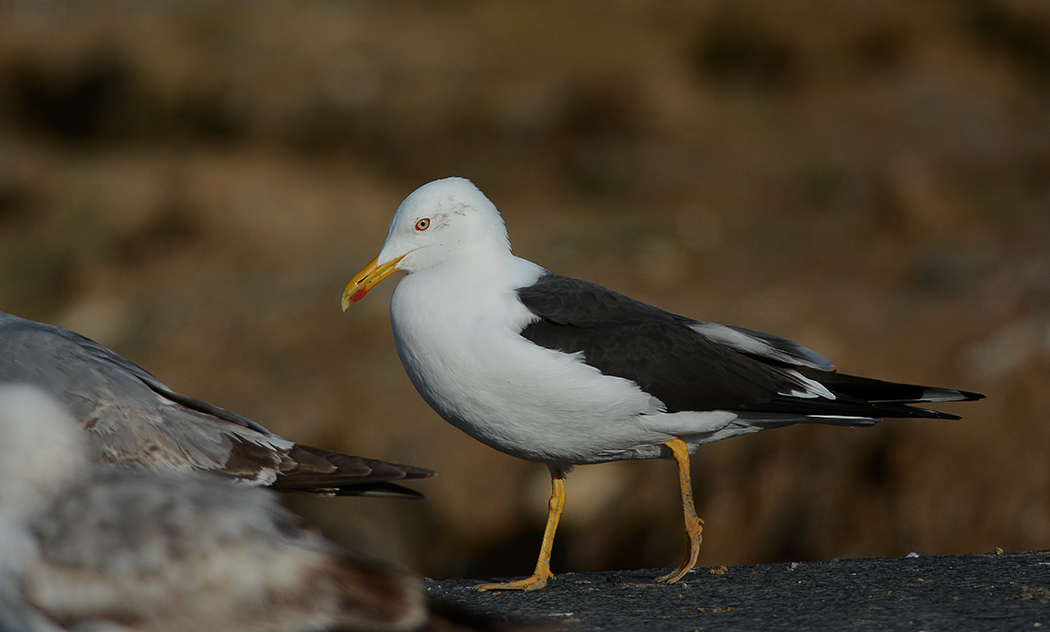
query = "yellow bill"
x=367 y=279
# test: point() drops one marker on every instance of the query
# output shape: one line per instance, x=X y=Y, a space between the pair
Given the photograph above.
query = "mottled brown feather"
x=135 y=420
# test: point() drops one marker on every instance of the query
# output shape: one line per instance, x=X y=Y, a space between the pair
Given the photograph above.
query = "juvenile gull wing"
x=694 y=366
x=157 y=552
x=92 y=547
x=135 y=420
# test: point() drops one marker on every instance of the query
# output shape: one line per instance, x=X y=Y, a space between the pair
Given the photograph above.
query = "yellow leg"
x=543 y=565
x=693 y=524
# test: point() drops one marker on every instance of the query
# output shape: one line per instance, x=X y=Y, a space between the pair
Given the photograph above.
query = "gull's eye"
x=423 y=224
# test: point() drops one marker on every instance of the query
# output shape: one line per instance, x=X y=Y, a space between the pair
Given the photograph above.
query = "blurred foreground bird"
x=86 y=547
x=134 y=420
x=565 y=372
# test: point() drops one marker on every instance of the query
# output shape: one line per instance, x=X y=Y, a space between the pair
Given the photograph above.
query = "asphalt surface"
x=957 y=593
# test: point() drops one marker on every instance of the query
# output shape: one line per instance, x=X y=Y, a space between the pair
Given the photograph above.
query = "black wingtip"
x=934 y=414
x=380 y=490
x=964 y=396
x=317 y=471
x=930 y=394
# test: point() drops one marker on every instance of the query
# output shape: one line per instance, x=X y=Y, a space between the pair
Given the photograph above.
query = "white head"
x=440 y=221
x=41 y=451
x=41 y=448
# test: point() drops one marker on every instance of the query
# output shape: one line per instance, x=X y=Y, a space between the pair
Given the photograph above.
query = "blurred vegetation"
x=193 y=184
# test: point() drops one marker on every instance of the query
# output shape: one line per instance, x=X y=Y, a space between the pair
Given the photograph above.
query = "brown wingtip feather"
x=379 y=597
x=375 y=596
x=310 y=470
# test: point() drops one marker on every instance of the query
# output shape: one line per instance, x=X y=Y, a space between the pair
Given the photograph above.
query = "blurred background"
x=194 y=183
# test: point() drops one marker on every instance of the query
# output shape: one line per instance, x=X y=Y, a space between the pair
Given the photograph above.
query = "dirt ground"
x=194 y=183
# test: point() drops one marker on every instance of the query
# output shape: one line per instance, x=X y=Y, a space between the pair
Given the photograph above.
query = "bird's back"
x=134 y=420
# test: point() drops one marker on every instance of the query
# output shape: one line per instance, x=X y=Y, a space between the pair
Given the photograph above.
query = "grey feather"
x=89 y=547
x=135 y=420
x=702 y=366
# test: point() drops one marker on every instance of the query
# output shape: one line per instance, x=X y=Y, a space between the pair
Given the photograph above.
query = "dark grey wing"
x=657 y=350
x=133 y=419
x=689 y=365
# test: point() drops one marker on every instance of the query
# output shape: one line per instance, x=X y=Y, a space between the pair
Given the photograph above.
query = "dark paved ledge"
x=956 y=593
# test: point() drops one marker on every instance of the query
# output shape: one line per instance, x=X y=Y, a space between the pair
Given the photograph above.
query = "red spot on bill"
x=357 y=296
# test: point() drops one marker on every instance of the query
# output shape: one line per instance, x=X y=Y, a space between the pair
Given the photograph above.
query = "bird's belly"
x=528 y=401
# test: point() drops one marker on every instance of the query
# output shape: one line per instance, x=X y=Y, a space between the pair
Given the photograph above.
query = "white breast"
x=456 y=327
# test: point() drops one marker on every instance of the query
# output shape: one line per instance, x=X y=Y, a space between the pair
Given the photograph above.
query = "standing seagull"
x=565 y=372
x=134 y=420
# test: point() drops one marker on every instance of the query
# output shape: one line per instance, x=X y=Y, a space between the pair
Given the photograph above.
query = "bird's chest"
x=468 y=360
x=456 y=349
